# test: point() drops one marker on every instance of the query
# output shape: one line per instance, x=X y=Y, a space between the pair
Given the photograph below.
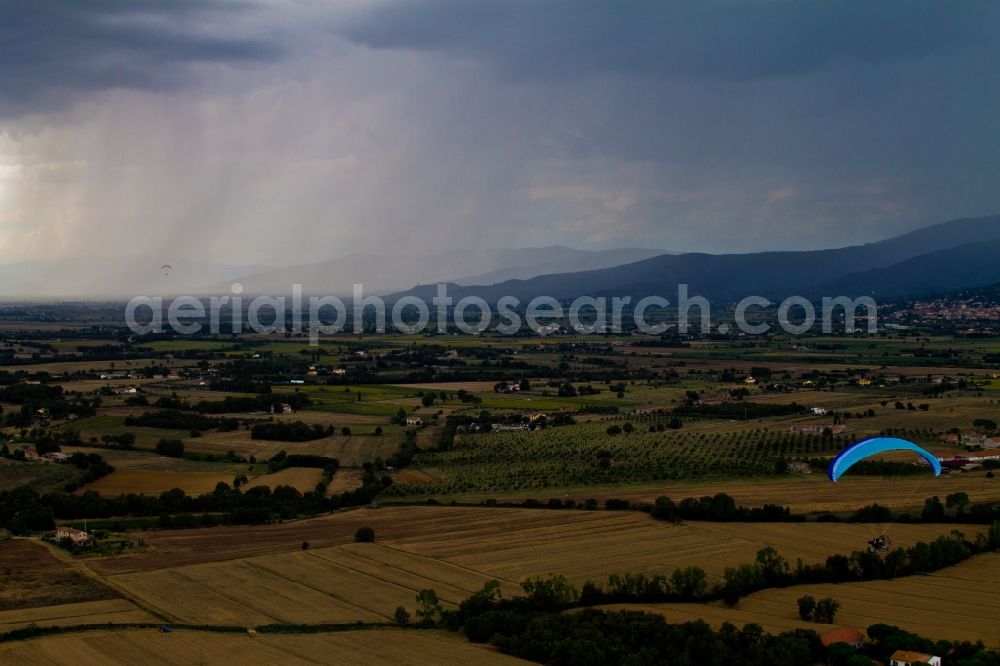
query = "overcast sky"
x=293 y=131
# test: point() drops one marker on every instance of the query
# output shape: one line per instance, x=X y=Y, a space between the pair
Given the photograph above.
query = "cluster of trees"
x=956 y=508
x=258 y=403
x=599 y=409
x=23 y=511
x=36 y=399
x=290 y=431
x=281 y=460
x=172 y=448
x=887 y=639
x=720 y=508
x=922 y=557
x=769 y=570
x=741 y=411
x=93 y=466
x=823 y=611
x=533 y=627
x=44 y=441
x=172 y=419
x=684 y=584
x=235 y=506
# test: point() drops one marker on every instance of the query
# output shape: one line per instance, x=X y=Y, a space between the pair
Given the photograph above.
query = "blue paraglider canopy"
x=870 y=447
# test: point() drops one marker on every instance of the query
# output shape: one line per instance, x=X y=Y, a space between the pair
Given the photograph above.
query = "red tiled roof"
x=847 y=635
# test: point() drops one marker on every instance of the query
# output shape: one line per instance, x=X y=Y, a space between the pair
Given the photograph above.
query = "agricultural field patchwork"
x=622 y=421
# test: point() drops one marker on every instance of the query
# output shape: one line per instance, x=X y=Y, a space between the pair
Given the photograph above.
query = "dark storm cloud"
x=701 y=125
x=730 y=41
x=57 y=50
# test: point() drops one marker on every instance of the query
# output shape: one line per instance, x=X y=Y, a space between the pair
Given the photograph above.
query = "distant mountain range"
x=960 y=254
x=940 y=258
x=381 y=274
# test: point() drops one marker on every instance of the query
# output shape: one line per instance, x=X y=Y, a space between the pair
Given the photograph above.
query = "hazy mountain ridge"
x=382 y=274
x=730 y=277
x=973 y=265
x=936 y=259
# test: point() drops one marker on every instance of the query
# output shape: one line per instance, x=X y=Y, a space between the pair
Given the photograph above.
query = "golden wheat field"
x=355 y=582
x=182 y=648
x=958 y=603
x=117 y=611
x=513 y=544
x=595 y=545
x=302 y=479
x=150 y=482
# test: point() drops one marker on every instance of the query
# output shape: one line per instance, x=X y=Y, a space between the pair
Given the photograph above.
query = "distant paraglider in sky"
x=166 y=268
x=869 y=447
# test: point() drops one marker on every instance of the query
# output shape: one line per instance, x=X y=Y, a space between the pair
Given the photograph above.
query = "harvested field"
x=619 y=543
x=958 y=603
x=303 y=479
x=345 y=479
x=350 y=450
x=356 y=582
x=117 y=611
x=153 y=483
x=196 y=483
x=513 y=544
x=31 y=576
x=181 y=648
x=26 y=555
x=152 y=462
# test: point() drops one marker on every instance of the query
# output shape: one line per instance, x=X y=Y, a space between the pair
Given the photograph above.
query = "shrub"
x=807 y=605
x=172 y=448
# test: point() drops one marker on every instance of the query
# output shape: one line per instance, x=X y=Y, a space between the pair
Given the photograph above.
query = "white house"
x=78 y=537
x=414 y=421
x=908 y=658
x=820 y=411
